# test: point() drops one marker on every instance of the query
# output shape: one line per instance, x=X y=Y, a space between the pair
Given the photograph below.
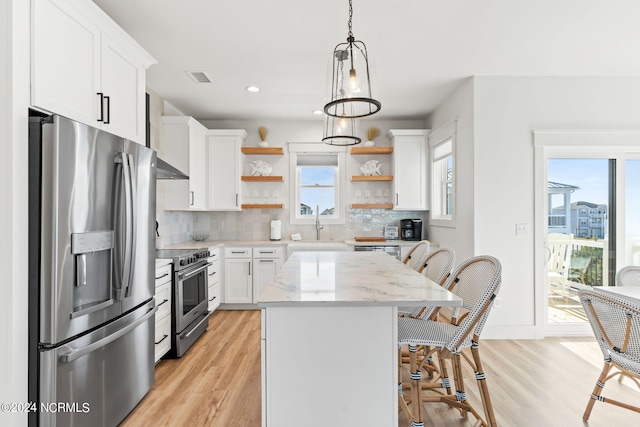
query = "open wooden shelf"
x=251 y=178
x=372 y=206
x=262 y=206
x=260 y=150
x=371 y=150
x=372 y=178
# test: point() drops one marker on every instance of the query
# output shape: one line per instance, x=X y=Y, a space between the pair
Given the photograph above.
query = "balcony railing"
x=596 y=271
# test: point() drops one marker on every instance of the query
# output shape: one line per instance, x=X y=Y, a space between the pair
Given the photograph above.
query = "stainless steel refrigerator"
x=91 y=279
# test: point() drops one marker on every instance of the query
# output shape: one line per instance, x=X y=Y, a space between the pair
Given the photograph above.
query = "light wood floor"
x=532 y=382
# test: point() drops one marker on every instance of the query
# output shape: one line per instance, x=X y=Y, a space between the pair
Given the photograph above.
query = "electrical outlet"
x=522 y=229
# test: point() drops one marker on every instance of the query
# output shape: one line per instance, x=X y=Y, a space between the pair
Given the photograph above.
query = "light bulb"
x=353 y=81
x=342 y=124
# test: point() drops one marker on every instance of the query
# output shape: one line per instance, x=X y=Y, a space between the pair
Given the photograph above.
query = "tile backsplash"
x=254 y=224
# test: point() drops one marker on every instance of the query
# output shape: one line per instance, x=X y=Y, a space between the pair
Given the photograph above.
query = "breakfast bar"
x=329 y=338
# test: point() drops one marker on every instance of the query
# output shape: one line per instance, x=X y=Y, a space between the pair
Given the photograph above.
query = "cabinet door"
x=224 y=172
x=122 y=83
x=65 y=62
x=184 y=148
x=264 y=272
x=197 y=170
x=410 y=172
x=238 y=281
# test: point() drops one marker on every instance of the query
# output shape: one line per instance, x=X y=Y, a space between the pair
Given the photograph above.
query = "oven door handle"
x=204 y=319
x=187 y=274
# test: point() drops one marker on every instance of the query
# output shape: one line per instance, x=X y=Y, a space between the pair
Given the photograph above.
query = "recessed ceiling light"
x=318 y=112
x=252 y=89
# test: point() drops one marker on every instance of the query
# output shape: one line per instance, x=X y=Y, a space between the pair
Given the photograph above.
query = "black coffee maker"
x=411 y=229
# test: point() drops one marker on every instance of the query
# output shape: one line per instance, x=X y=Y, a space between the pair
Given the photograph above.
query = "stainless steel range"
x=190 y=317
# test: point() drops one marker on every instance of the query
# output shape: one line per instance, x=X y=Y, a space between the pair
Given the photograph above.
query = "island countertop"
x=312 y=279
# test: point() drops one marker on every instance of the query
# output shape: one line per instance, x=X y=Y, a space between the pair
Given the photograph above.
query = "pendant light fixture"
x=350 y=91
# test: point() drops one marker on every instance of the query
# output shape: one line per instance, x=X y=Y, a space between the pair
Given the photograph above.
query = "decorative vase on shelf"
x=262 y=131
x=371 y=133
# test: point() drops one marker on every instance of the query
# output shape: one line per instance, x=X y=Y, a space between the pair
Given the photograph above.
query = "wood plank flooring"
x=532 y=383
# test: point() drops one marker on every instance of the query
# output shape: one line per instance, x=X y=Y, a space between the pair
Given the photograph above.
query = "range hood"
x=166 y=171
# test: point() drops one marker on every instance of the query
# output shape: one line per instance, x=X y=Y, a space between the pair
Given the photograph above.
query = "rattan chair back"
x=628 y=276
x=417 y=255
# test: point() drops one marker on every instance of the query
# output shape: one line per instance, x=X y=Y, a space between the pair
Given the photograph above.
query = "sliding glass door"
x=581 y=194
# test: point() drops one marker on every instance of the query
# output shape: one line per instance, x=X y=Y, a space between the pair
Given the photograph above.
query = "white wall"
x=506 y=110
x=459 y=106
x=14 y=93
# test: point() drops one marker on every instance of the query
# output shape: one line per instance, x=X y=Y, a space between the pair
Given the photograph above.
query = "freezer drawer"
x=100 y=377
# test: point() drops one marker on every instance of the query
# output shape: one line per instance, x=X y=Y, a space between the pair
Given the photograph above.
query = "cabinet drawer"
x=163 y=300
x=214 y=254
x=162 y=337
x=163 y=275
x=214 y=297
x=237 y=252
x=268 y=252
x=213 y=272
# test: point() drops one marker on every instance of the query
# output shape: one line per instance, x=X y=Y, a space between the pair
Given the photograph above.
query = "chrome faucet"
x=318 y=226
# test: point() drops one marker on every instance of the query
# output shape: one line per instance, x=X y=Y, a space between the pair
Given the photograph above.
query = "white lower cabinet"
x=238 y=283
x=213 y=279
x=248 y=270
x=266 y=263
x=163 y=315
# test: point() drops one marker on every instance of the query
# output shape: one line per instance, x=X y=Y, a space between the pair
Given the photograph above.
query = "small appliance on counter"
x=411 y=229
x=391 y=232
x=276 y=229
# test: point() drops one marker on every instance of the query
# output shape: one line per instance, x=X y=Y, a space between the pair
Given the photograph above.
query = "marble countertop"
x=213 y=243
x=325 y=279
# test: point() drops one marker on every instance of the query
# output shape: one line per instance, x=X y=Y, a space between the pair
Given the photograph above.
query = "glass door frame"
x=574 y=145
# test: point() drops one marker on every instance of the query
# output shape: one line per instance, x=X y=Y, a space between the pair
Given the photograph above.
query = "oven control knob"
x=183 y=262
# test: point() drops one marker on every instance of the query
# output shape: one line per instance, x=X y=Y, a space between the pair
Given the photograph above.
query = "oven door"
x=190 y=295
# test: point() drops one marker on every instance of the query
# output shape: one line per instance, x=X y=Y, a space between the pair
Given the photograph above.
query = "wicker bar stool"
x=616 y=324
x=417 y=254
x=476 y=282
x=628 y=276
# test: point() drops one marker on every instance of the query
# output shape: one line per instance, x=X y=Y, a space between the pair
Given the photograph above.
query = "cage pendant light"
x=350 y=84
x=341 y=131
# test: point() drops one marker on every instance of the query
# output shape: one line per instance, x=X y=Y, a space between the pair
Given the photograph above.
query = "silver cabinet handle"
x=266 y=260
x=164 y=275
x=163 y=302
x=192 y=198
x=108 y=119
x=396 y=199
x=236 y=199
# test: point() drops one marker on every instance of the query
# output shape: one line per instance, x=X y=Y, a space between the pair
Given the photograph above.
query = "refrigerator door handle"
x=75 y=354
x=124 y=265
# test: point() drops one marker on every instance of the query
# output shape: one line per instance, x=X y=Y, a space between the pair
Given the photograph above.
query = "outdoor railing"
x=595 y=273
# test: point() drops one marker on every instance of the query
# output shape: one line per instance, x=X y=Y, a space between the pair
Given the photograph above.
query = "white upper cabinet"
x=410 y=185
x=184 y=147
x=225 y=168
x=86 y=68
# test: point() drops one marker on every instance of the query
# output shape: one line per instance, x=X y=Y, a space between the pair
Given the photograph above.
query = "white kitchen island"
x=329 y=338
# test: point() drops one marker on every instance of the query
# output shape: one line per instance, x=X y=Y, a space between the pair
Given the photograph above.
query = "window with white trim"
x=441 y=144
x=317 y=186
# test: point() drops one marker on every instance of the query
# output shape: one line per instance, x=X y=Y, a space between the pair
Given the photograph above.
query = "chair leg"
x=595 y=395
x=482 y=385
x=416 y=391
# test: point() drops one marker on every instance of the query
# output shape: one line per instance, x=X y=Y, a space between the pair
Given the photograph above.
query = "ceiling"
x=420 y=50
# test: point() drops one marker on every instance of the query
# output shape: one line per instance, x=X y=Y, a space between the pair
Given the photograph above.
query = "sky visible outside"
x=592 y=176
x=325 y=197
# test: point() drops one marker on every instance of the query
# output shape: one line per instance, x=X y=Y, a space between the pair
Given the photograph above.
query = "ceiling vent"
x=199 y=76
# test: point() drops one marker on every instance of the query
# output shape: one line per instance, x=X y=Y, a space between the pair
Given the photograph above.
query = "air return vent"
x=199 y=76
